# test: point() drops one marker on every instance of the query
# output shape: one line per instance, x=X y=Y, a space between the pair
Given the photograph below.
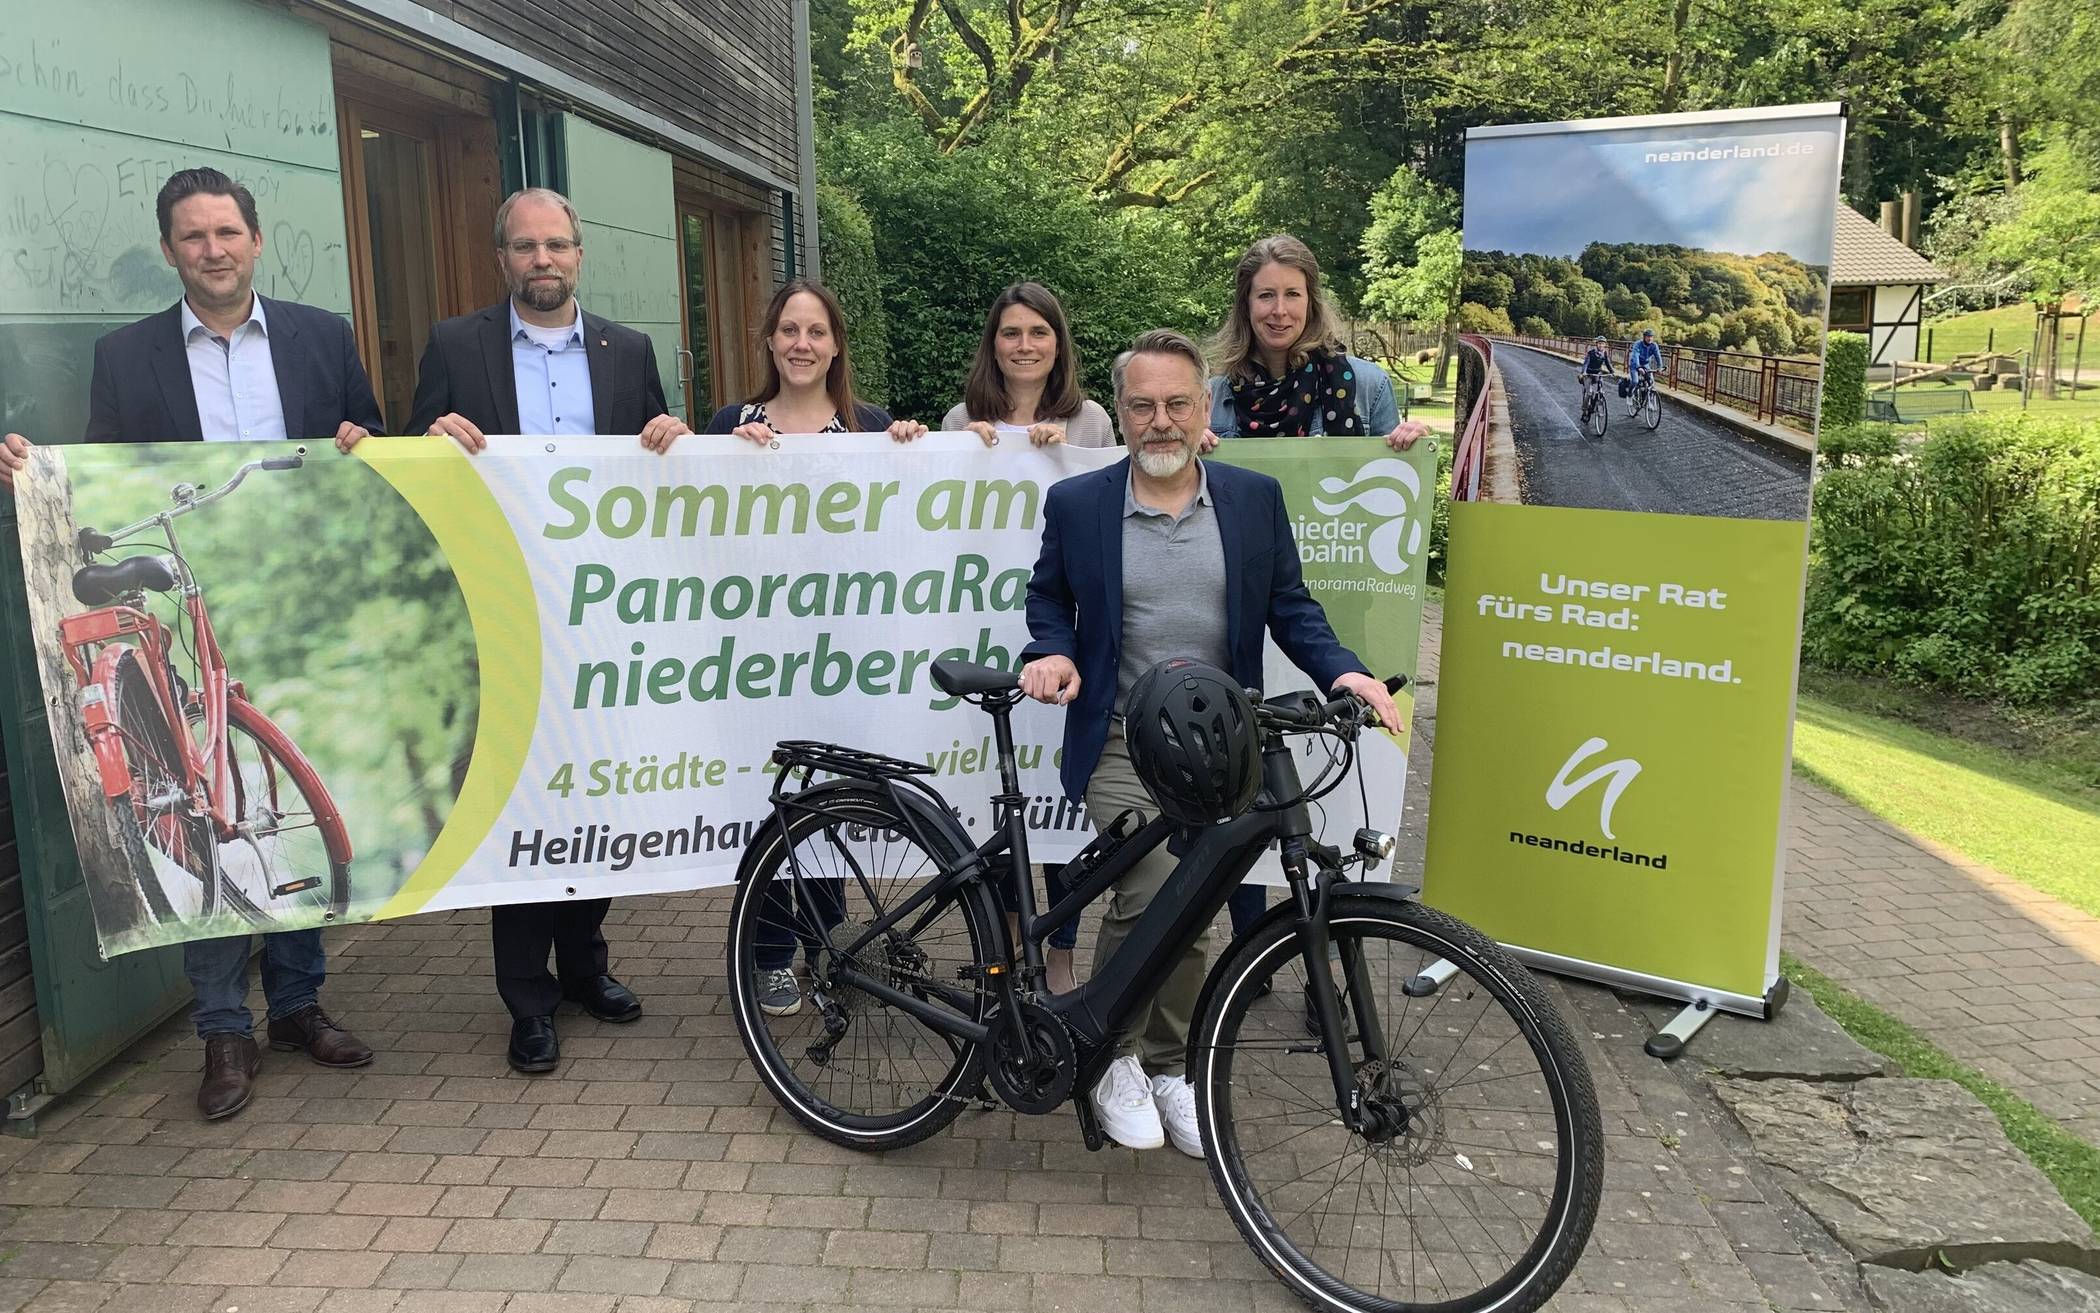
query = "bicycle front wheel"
x=287 y=867
x=1484 y=1197
x=1596 y=415
x=854 y=1069
x=1651 y=410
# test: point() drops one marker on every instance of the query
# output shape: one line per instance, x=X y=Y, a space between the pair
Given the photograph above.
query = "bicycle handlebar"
x=188 y=499
x=1310 y=714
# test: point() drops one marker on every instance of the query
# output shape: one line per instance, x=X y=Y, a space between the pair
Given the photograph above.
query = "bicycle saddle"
x=956 y=678
x=99 y=585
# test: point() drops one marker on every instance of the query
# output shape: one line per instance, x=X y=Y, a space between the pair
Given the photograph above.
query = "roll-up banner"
x=290 y=687
x=1623 y=608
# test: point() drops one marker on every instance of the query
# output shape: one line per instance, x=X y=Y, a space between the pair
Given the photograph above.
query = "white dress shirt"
x=553 y=377
x=234 y=378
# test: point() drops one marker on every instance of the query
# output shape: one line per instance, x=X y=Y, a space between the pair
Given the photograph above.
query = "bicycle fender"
x=941 y=824
x=1287 y=910
x=105 y=740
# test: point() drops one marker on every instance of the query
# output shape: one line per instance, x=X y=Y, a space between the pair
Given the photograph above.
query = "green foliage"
x=850 y=270
x=1767 y=304
x=1411 y=250
x=1438 y=555
x=2052 y=236
x=1844 y=379
x=950 y=231
x=1969 y=562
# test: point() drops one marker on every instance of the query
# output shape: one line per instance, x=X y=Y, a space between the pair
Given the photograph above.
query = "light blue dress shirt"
x=234 y=378
x=553 y=377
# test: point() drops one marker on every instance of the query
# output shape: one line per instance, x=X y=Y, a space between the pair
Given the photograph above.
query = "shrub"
x=1968 y=562
x=951 y=231
x=850 y=271
x=1844 y=378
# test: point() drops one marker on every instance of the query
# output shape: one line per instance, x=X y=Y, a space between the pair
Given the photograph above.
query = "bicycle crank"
x=1032 y=1086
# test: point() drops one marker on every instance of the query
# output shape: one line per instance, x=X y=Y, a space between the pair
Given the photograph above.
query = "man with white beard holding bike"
x=1162 y=555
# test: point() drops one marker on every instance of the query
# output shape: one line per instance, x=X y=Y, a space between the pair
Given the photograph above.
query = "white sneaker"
x=1175 y=1099
x=1123 y=1102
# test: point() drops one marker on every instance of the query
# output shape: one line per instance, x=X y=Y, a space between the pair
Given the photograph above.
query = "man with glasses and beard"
x=1162 y=555
x=539 y=363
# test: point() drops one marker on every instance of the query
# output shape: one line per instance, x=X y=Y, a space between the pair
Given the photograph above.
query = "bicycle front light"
x=1374 y=846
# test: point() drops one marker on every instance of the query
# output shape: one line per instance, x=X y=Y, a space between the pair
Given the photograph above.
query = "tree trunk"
x=1446 y=341
x=112 y=858
x=2045 y=338
x=2009 y=149
x=1673 y=69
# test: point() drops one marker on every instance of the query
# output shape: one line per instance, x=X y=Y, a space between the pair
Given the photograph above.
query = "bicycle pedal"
x=295 y=887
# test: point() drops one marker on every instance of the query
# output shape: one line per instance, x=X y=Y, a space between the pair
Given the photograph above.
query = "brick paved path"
x=652 y=1175
x=2001 y=976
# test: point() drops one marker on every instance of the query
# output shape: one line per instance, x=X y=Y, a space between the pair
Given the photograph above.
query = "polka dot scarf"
x=1323 y=388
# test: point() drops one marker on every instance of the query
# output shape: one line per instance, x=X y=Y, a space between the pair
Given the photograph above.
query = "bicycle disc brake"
x=1039 y=1086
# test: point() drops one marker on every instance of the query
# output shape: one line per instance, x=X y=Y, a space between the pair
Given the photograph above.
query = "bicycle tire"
x=310 y=848
x=1651 y=410
x=1596 y=415
x=954 y=1069
x=155 y=762
x=1490 y=986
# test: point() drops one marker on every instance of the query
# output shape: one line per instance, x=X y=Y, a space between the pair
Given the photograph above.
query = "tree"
x=1412 y=257
x=2052 y=240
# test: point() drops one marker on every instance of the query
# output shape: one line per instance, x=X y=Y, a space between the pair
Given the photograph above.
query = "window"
x=1851 y=308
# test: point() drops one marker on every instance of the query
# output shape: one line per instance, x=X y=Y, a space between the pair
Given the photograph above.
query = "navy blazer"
x=142 y=391
x=1075 y=599
x=468 y=369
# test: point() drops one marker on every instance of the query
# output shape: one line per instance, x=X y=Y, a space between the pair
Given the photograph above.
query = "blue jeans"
x=293 y=967
x=1246 y=905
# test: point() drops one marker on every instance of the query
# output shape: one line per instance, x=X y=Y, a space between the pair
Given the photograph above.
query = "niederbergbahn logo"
x=1371 y=518
x=1614 y=776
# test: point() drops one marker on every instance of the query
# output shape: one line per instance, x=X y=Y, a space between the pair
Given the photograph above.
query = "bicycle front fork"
x=1314 y=896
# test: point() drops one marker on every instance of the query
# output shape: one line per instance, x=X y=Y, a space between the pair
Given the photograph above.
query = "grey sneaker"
x=778 y=994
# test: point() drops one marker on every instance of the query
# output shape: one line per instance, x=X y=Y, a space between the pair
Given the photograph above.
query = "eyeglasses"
x=525 y=246
x=1142 y=409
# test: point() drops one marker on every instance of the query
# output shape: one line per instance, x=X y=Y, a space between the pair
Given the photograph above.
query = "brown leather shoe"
x=230 y=1063
x=325 y=1042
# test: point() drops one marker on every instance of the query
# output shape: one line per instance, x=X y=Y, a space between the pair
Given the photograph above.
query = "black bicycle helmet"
x=1193 y=742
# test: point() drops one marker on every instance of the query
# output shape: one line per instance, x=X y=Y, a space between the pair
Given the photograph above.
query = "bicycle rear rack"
x=835 y=759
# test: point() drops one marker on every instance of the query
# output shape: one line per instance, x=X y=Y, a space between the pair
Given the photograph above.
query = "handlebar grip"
x=284 y=463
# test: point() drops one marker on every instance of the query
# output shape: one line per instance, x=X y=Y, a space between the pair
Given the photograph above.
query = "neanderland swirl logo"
x=1372 y=491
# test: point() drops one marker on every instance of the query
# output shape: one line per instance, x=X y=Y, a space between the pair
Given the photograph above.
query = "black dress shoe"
x=533 y=1046
x=604 y=998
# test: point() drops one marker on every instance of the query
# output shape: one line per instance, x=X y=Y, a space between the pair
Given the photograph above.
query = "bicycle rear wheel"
x=1486 y=1197
x=848 y=1066
x=183 y=882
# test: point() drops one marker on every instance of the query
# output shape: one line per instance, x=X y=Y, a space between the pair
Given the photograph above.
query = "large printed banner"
x=1620 y=636
x=349 y=688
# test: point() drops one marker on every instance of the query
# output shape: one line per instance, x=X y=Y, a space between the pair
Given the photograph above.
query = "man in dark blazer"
x=145 y=385
x=539 y=364
x=1162 y=555
x=227 y=365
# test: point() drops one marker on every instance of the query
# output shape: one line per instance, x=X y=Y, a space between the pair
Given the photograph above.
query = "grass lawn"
x=2033 y=814
x=2083 y=404
x=1960 y=335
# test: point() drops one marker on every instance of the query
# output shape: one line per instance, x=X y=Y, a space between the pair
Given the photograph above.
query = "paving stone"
x=1895 y=1170
x=1801 y=1043
x=2024 y=1287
